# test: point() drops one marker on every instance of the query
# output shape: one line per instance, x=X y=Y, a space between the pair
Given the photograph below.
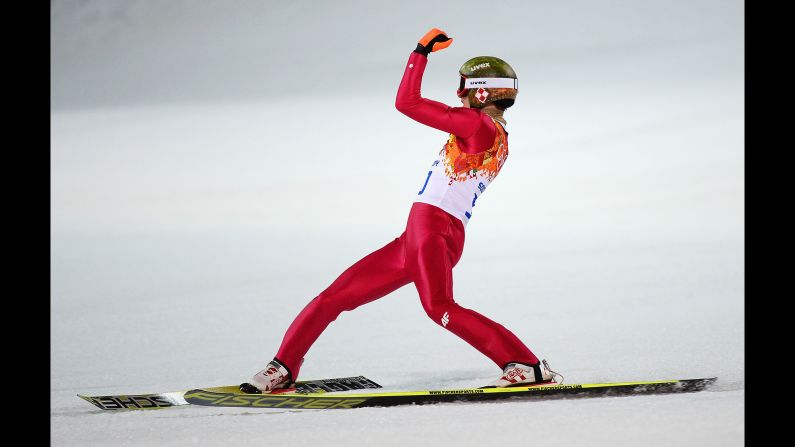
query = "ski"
x=215 y=398
x=177 y=398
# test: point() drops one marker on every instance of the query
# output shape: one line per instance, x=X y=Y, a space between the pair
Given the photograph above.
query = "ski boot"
x=519 y=374
x=275 y=376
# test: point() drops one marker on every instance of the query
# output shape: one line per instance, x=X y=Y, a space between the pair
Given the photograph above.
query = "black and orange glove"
x=433 y=40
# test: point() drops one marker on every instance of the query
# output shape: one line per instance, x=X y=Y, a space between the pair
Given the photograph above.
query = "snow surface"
x=208 y=179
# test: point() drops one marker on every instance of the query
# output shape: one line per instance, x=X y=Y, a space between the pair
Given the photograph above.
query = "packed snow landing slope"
x=181 y=251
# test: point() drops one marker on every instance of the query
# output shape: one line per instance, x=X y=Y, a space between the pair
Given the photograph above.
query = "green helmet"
x=488 y=80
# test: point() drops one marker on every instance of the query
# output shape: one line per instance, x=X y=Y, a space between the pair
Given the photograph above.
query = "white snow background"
x=216 y=164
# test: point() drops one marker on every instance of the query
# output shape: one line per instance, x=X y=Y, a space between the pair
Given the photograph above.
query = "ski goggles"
x=467 y=83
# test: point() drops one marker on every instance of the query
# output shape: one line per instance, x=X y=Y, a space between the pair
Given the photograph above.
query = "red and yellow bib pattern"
x=460 y=166
x=456 y=179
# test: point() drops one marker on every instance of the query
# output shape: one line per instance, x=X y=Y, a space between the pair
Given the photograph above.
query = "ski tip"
x=708 y=381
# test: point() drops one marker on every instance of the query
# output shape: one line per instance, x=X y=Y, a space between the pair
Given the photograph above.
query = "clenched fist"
x=433 y=40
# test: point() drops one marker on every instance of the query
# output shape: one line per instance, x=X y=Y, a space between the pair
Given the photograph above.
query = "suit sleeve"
x=474 y=130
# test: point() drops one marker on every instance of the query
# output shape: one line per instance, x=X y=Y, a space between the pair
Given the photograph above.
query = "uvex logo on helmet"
x=479 y=66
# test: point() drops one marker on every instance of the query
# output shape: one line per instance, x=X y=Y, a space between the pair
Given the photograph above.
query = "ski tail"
x=136 y=401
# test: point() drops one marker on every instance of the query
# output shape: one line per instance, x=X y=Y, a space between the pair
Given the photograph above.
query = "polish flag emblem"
x=482 y=94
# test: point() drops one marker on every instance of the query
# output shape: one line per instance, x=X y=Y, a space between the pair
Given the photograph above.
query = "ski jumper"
x=433 y=240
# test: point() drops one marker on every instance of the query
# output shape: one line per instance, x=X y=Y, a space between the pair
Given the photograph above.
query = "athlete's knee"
x=439 y=313
x=329 y=305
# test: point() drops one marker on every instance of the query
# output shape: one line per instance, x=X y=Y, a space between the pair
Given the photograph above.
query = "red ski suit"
x=424 y=254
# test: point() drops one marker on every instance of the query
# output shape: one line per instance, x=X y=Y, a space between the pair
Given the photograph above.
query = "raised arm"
x=474 y=130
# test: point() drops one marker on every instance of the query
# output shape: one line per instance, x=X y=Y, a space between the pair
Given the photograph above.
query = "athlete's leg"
x=372 y=277
x=434 y=244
